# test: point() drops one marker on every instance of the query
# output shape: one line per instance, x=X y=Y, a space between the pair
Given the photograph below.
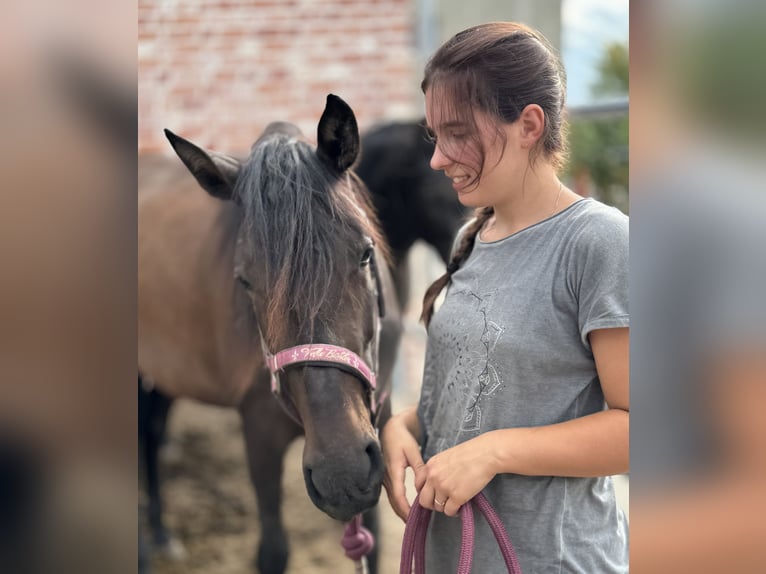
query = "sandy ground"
x=210 y=505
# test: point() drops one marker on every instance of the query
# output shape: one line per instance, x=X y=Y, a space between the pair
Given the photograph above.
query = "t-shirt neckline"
x=534 y=225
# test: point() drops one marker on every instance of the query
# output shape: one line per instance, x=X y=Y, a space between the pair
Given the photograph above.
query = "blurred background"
x=218 y=73
x=697 y=280
x=68 y=144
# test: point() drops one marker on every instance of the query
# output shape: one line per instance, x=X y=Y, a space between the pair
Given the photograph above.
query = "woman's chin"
x=469 y=198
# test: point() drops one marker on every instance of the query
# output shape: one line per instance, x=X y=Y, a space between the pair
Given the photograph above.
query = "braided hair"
x=459 y=255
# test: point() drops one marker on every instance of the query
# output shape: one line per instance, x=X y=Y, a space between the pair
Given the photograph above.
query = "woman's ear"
x=532 y=125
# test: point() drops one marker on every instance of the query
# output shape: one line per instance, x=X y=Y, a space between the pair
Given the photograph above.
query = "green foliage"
x=599 y=145
x=613 y=72
x=717 y=71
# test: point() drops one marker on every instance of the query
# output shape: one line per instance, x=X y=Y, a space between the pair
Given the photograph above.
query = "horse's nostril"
x=376 y=460
x=310 y=486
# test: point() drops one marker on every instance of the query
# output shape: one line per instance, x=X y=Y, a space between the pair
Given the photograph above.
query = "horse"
x=412 y=200
x=272 y=285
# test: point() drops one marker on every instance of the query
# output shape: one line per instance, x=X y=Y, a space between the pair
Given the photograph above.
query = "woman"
x=525 y=387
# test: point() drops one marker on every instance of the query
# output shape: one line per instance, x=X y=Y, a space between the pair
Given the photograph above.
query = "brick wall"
x=217 y=71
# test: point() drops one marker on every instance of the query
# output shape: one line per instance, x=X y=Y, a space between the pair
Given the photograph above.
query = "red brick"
x=228 y=67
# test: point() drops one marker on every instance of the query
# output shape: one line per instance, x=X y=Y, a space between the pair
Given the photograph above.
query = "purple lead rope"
x=358 y=542
x=414 y=544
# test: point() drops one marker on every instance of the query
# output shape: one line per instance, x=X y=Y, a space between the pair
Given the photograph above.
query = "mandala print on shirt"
x=471 y=377
x=484 y=379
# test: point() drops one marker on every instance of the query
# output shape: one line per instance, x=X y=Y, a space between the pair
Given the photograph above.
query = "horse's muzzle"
x=342 y=488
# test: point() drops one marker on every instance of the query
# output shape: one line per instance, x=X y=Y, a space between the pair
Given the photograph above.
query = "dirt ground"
x=210 y=505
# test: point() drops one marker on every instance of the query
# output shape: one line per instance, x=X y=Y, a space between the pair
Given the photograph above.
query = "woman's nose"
x=439 y=161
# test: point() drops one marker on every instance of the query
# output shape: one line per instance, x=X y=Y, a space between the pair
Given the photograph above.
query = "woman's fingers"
x=415 y=461
x=426 y=497
x=397 y=498
x=400 y=450
x=394 y=482
x=421 y=474
x=450 y=508
x=395 y=475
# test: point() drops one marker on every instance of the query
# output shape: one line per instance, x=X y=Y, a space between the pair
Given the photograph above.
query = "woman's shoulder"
x=591 y=220
x=591 y=210
x=593 y=233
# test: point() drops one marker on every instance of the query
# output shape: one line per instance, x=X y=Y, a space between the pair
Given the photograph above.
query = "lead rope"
x=358 y=542
x=414 y=544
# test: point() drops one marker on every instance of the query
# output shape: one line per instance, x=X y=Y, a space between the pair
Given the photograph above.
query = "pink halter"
x=319 y=354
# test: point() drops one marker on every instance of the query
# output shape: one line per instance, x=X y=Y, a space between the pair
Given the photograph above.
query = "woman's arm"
x=593 y=445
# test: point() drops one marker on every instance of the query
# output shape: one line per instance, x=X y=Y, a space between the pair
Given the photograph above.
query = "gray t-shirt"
x=509 y=348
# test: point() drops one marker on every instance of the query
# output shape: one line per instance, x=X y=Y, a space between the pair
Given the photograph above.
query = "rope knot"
x=357 y=541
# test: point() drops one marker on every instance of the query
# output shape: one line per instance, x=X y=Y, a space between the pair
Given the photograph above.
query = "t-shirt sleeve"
x=601 y=274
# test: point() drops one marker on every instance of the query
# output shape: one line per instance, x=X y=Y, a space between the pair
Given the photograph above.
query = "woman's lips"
x=460 y=183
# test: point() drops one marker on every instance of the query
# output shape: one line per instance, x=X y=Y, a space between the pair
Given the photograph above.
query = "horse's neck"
x=195 y=338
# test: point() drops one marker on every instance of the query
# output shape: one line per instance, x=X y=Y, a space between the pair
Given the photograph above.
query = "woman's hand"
x=456 y=475
x=400 y=450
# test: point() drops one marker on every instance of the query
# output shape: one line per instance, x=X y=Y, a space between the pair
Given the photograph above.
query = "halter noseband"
x=320 y=354
x=317 y=355
x=326 y=355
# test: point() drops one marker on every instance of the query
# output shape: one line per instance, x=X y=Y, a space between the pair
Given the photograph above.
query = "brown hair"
x=498 y=68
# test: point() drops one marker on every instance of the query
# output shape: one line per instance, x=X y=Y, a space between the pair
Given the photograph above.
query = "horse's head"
x=305 y=254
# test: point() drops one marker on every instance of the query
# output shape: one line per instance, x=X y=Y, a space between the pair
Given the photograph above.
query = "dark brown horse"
x=283 y=250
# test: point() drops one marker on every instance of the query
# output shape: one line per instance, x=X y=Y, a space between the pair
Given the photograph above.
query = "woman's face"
x=458 y=154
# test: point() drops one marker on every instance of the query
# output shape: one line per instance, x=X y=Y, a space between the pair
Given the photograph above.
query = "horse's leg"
x=153 y=408
x=371 y=523
x=268 y=433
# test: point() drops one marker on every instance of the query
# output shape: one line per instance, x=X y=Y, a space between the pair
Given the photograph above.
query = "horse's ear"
x=338 y=135
x=215 y=172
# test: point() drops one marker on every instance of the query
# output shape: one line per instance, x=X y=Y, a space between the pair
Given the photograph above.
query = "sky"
x=587 y=26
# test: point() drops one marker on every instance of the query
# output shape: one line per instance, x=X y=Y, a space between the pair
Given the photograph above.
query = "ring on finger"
x=439 y=502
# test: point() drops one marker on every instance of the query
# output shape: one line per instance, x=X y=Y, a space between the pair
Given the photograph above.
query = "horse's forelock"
x=299 y=217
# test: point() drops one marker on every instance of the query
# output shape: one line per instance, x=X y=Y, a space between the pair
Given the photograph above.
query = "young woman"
x=525 y=387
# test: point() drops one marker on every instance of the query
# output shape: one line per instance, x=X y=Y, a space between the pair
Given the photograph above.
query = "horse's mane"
x=303 y=215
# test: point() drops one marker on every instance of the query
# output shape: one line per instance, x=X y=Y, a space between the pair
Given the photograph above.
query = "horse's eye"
x=244 y=282
x=366 y=257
